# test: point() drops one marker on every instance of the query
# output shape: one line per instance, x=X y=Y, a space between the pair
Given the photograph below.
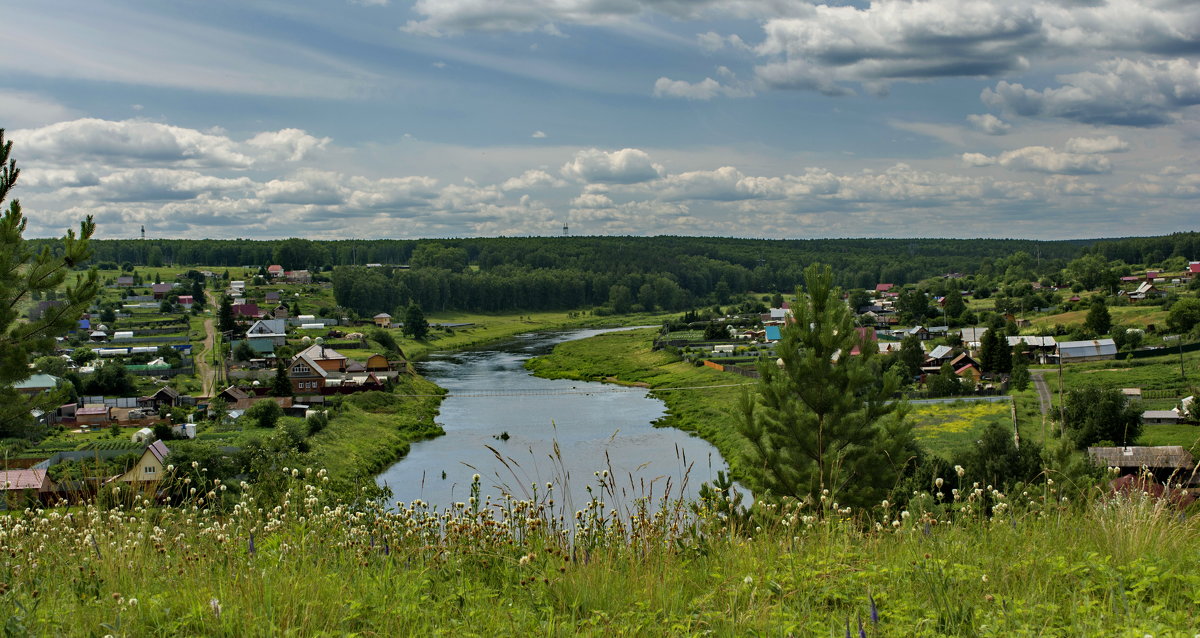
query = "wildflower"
x=958 y=469
x=874 y=610
x=938 y=482
x=215 y=606
x=749 y=580
x=905 y=515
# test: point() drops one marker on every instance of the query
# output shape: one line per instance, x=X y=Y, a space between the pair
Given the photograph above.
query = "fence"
x=1164 y=351
x=118 y=402
x=146 y=371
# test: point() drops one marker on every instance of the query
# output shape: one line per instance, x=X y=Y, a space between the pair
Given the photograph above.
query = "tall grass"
x=224 y=562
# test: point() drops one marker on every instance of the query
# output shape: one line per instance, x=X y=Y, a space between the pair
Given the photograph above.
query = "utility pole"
x=1062 y=410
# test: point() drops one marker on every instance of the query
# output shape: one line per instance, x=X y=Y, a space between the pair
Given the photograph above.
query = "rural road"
x=208 y=375
x=1043 y=390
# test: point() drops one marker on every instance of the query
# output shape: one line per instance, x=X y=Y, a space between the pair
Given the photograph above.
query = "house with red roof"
x=275 y=270
x=881 y=288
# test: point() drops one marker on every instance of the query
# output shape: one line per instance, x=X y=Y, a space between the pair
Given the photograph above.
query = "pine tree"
x=825 y=420
x=1099 y=321
x=23 y=273
x=225 y=321
x=280 y=385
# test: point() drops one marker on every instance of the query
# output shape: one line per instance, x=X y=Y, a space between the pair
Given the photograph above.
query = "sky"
x=333 y=119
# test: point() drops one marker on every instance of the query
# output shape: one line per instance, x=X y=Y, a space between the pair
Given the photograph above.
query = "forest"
x=623 y=273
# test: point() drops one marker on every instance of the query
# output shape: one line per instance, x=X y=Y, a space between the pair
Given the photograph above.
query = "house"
x=275 y=271
x=125 y=281
x=273 y=331
x=919 y=332
x=380 y=363
x=1094 y=350
x=1161 y=417
x=161 y=291
x=272 y=295
x=1165 y=462
x=19 y=488
x=882 y=288
x=40 y=309
x=383 y=320
x=232 y=395
x=1146 y=290
x=246 y=310
x=237 y=288
x=973 y=337
x=166 y=396
x=965 y=365
x=281 y=312
x=37 y=384
x=318 y=367
x=1039 y=348
x=773 y=333
x=93 y=414
x=938 y=356
x=298 y=276
x=150 y=468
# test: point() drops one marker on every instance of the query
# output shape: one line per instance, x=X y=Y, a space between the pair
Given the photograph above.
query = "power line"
x=548 y=393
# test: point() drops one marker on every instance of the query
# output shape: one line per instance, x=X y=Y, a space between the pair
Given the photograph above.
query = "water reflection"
x=519 y=431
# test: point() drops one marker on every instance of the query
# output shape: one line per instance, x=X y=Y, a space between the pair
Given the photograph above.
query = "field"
x=316 y=565
x=950 y=428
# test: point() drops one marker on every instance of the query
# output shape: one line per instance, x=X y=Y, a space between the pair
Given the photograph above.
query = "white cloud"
x=129 y=141
x=1122 y=92
x=538 y=135
x=289 y=144
x=533 y=178
x=1042 y=159
x=989 y=124
x=626 y=166
x=307 y=187
x=897 y=40
x=1087 y=145
x=158 y=184
x=592 y=200
x=451 y=17
x=706 y=89
x=391 y=192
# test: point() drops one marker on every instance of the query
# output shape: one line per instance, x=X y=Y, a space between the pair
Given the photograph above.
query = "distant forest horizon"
x=665 y=272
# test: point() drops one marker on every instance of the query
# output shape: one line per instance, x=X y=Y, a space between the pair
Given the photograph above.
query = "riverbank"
x=361 y=442
x=373 y=430
x=699 y=400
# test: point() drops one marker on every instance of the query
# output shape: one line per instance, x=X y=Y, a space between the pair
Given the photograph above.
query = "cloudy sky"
x=750 y=118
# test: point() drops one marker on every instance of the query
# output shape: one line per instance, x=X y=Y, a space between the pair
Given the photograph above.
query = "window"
x=150 y=469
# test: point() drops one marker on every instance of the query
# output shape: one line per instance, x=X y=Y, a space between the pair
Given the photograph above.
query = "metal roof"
x=1093 y=348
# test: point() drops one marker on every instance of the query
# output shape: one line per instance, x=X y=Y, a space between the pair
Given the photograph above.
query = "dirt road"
x=208 y=374
x=1043 y=390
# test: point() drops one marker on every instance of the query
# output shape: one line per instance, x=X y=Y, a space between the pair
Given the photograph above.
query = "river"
x=598 y=427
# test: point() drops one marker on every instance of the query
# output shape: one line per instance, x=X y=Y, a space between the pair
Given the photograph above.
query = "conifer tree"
x=824 y=419
x=24 y=273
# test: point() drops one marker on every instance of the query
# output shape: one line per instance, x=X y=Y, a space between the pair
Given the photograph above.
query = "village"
x=157 y=361
x=149 y=365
